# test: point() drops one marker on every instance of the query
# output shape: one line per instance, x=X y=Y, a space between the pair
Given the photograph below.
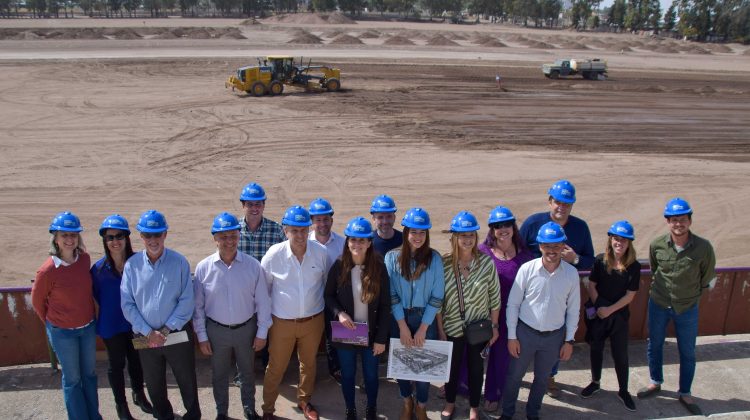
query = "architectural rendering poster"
x=431 y=363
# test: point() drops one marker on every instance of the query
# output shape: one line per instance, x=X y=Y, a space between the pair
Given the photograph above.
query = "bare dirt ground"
x=107 y=125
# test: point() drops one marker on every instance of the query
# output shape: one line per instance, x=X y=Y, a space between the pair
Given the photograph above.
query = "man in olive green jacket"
x=683 y=265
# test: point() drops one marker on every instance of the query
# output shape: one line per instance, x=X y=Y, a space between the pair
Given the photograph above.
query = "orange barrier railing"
x=723 y=310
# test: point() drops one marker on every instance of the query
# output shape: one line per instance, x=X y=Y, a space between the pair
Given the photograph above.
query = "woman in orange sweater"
x=63 y=300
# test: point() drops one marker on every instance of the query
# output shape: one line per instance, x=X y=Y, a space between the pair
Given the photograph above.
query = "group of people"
x=272 y=288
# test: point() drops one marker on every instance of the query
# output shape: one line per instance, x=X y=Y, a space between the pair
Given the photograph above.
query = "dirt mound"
x=719 y=48
x=540 y=45
x=481 y=39
x=166 y=35
x=572 y=45
x=665 y=49
x=123 y=33
x=249 y=22
x=516 y=38
x=304 y=37
x=694 y=49
x=369 y=34
x=230 y=33
x=345 y=39
x=414 y=35
x=746 y=52
x=313 y=19
x=493 y=43
x=398 y=40
x=333 y=33
x=620 y=46
x=456 y=36
x=439 y=40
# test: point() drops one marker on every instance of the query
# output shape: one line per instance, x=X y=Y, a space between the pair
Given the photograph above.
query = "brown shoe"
x=421 y=412
x=268 y=416
x=309 y=411
x=408 y=409
x=552 y=389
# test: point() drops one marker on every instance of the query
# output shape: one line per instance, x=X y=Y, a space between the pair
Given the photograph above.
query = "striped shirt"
x=257 y=243
x=481 y=294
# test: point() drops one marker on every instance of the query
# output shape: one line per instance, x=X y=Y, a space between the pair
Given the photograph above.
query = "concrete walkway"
x=722 y=388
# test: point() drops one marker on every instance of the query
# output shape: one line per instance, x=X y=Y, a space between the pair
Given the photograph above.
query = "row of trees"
x=726 y=20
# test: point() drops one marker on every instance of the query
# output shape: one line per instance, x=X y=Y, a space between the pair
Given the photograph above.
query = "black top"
x=341 y=298
x=612 y=286
x=384 y=245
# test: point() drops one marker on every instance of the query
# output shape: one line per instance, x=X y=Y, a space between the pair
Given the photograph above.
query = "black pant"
x=181 y=358
x=120 y=349
x=616 y=328
x=476 y=370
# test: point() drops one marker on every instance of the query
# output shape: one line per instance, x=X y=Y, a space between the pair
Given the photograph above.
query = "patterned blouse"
x=481 y=292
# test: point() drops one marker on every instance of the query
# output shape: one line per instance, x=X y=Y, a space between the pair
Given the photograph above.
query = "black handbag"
x=476 y=332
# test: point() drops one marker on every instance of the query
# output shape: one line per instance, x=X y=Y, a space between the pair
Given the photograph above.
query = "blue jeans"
x=686 y=329
x=413 y=319
x=76 y=350
x=348 y=361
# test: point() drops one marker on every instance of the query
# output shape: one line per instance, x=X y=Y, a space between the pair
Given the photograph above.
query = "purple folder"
x=358 y=336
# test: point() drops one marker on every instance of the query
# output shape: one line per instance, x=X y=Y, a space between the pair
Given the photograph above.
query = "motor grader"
x=275 y=71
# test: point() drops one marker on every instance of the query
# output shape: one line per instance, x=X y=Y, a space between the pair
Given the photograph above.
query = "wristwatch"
x=571 y=342
x=495 y=326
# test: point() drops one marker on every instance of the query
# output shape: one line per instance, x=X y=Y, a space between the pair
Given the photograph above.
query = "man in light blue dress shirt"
x=232 y=314
x=542 y=318
x=157 y=299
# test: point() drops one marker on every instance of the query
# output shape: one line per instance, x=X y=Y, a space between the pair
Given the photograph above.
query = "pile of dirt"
x=122 y=33
x=540 y=45
x=345 y=39
x=398 y=40
x=333 y=33
x=312 y=19
x=166 y=35
x=369 y=34
x=414 y=35
x=493 y=43
x=231 y=33
x=304 y=37
x=516 y=38
x=597 y=43
x=481 y=39
x=719 y=48
x=620 y=46
x=196 y=33
x=439 y=40
x=746 y=52
x=572 y=45
x=666 y=49
x=694 y=49
x=249 y=22
x=456 y=36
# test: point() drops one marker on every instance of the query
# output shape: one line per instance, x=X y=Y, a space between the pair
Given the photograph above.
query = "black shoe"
x=692 y=407
x=139 y=399
x=532 y=418
x=123 y=412
x=504 y=417
x=251 y=415
x=590 y=390
x=222 y=417
x=371 y=413
x=627 y=400
x=351 y=414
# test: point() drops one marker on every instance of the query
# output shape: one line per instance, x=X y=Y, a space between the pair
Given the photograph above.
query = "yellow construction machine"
x=275 y=71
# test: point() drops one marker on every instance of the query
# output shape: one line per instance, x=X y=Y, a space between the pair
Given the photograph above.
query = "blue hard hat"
x=622 y=228
x=563 y=191
x=416 y=218
x=383 y=204
x=114 y=221
x=677 y=207
x=319 y=207
x=500 y=214
x=253 y=192
x=358 y=227
x=550 y=233
x=224 y=222
x=296 y=216
x=66 y=222
x=464 y=222
x=152 y=222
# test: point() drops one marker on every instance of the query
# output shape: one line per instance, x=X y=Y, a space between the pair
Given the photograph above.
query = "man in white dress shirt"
x=321 y=215
x=232 y=314
x=542 y=319
x=295 y=271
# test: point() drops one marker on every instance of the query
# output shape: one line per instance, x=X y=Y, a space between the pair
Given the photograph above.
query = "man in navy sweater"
x=579 y=249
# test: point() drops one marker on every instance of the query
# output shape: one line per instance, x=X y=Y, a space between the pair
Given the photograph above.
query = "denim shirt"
x=427 y=291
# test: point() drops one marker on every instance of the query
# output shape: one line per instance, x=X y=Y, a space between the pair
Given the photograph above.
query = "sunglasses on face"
x=499 y=225
x=118 y=237
x=152 y=235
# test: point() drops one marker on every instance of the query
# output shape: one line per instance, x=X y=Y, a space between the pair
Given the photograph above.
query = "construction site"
x=103 y=116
